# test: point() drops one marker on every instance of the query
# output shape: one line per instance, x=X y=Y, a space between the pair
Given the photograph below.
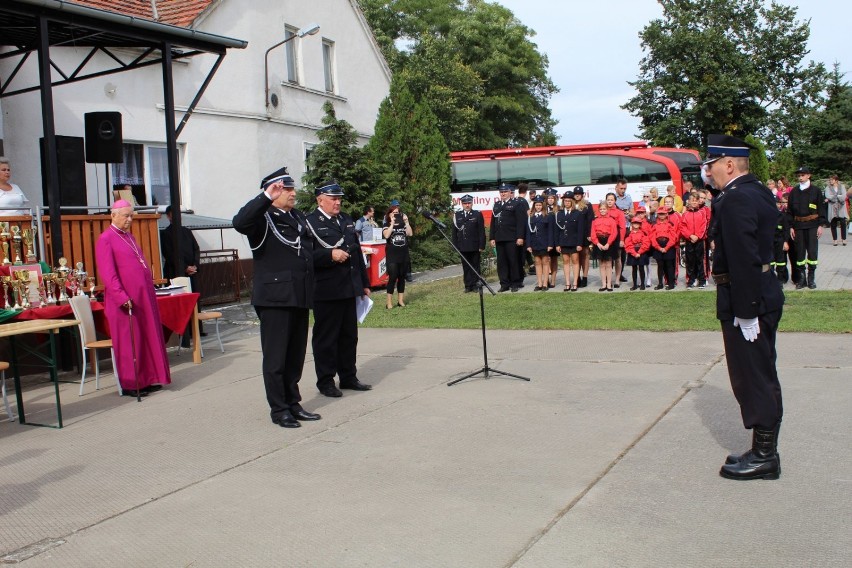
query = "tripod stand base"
x=485 y=372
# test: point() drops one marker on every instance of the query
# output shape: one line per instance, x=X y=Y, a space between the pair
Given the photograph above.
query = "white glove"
x=749 y=327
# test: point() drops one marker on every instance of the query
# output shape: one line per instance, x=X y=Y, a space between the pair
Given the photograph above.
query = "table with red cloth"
x=176 y=311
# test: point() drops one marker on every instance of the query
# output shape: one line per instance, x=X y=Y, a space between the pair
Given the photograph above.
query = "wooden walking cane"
x=133 y=348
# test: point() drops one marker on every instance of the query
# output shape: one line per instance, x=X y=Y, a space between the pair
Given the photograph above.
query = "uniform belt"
x=806 y=218
x=725 y=277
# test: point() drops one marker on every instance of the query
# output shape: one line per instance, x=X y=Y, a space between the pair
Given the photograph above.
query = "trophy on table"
x=49 y=280
x=82 y=275
x=23 y=277
x=16 y=245
x=29 y=236
x=5 y=236
x=42 y=294
x=91 y=280
x=62 y=273
x=7 y=281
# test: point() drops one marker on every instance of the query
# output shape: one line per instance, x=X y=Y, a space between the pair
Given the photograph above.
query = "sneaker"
x=702 y=285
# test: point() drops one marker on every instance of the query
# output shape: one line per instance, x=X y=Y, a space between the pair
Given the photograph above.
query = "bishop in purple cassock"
x=128 y=283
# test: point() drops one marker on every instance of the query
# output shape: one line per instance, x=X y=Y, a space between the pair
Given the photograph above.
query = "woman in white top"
x=10 y=194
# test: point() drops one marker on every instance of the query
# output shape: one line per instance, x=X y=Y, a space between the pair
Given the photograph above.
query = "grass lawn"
x=443 y=305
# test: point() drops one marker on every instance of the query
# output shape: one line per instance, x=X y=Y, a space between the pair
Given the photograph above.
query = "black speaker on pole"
x=103 y=138
x=72 y=171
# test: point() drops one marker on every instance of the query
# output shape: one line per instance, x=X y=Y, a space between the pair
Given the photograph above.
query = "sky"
x=593 y=48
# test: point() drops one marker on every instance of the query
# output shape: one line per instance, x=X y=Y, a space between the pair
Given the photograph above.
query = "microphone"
x=433 y=219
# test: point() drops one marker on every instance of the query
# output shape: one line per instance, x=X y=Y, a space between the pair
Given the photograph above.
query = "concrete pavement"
x=607 y=457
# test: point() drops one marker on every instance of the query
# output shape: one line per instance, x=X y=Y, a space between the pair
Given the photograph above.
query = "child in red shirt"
x=604 y=235
x=664 y=242
x=636 y=245
x=693 y=229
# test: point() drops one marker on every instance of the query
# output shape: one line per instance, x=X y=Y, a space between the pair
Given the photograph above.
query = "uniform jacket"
x=190 y=253
x=336 y=280
x=804 y=203
x=693 y=222
x=664 y=232
x=469 y=231
x=283 y=274
x=620 y=220
x=637 y=242
x=539 y=233
x=604 y=227
x=745 y=218
x=509 y=220
x=569 y=228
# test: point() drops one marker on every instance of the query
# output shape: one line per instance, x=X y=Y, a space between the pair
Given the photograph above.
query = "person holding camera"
x=396 y=230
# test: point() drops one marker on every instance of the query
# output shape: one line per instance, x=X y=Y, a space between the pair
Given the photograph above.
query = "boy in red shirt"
x=664 y=241
x=693 y=229
x=636 y=245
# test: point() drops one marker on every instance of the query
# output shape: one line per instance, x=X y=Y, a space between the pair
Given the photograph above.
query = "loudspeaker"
x=72 y=171
x=103 y=138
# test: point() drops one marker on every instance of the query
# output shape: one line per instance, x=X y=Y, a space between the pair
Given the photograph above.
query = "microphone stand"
x=485 y=371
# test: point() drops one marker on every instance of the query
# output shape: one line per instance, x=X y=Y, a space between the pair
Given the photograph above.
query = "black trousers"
x=508 y=264
x=751 y=368
x=335 y=341
x=470 y=278
x=807 y=248
x=283 y=340
x=838 y=221
x=396 y=276
x=695 y=262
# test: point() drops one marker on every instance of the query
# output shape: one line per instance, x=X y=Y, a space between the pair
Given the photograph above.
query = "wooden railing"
x=81 y=232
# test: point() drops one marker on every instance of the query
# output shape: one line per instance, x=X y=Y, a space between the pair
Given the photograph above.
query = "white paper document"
x=363 y=305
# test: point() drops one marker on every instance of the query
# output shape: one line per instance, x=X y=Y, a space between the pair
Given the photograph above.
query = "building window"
x=146 y=170
x=328 y=64
x=291 y=54
x=309 y=149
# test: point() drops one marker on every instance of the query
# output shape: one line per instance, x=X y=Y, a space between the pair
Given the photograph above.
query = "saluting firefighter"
x=749 y=301
x=282 y=291
x=469 y=238
x=508 y=226
x=341 y=277
x=806 y=212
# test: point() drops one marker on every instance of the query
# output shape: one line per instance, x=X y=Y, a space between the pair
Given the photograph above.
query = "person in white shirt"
x=10 y=194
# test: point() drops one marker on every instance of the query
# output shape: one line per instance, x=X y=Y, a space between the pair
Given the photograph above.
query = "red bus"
x=595 y=167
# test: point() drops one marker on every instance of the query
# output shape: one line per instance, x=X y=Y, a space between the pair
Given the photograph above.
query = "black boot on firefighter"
x=811 y=278
x=760 y=462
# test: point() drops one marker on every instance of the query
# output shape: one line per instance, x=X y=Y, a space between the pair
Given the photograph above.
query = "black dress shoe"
x=331 y=391
x=202 y=333
x=287 y=420
x=503 y=289
x=300 y=413
x=133 y=393
x=355 y=385
x=152 y=388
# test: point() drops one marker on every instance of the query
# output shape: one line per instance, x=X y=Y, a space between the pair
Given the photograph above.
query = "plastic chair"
x=202 y=316
x=3 y=366
x=82 y=309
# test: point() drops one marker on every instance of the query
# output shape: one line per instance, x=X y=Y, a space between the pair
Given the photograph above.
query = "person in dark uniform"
x=282 y=291
x=341 y=277
x=469 y=238
x=189 y=259
x=569 y=226
x=582 y=205
x=508 y=225
x=539 y=240
x=525 y=201
x=780 y=246
x=806 y=213
x=749 y=301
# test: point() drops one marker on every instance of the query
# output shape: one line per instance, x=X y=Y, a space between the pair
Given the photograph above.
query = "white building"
x=234 y=137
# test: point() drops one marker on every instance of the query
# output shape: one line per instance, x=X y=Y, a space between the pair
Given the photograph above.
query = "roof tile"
x=175 y=12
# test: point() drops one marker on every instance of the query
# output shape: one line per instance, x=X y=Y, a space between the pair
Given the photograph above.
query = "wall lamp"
x=310 y=30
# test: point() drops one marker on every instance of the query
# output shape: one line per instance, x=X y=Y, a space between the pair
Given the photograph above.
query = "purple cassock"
x=126 y=276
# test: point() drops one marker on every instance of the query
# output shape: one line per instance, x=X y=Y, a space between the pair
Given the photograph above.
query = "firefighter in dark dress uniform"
x=341 y=277
x=469 y=238
x=806 y=214
x=282 y=291
x=749 y=301
x=508 y=226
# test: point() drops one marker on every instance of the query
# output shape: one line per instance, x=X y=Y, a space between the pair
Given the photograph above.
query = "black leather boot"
x=801 y=281
x=734 y=458
x=811 y=278
x=761 y=462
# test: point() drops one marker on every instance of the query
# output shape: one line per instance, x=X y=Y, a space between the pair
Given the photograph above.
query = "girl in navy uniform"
x=551 y=206
x=569 y=227
x=604 y=235
x=396 y=232
x=582 y=205
x=539 y=239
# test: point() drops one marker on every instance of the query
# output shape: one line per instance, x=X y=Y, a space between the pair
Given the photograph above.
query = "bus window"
x=604 y=169
x=575 y=170
x=474 y=176
x=538 y=172
x=639 y=170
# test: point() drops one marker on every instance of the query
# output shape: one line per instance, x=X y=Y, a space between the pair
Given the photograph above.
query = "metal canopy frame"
x=34 y=26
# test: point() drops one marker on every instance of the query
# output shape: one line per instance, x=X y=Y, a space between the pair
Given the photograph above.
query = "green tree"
x=829 y=150
x=758 y=163
x=783 y=164
x=337 y=157
x=723 y=66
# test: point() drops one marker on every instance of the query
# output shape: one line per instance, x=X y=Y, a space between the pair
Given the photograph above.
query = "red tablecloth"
x=175 y=313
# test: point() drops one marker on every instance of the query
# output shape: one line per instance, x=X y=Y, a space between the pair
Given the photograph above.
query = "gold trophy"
x=42 y=294
x=7 y=281
x=4 y=237
x=16 y=245
x=29 y=238
x=62 y=272
x=49 y=280
x=81 y=278
x=23 y=277
x=91 y=280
